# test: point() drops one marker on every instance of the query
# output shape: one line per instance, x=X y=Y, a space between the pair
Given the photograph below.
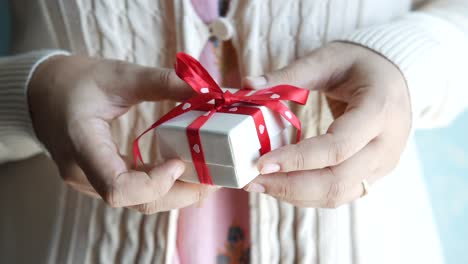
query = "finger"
x=86 y=191
x=329 y=187
x=181 y=195
x=347 y=135
x=107 y=172
x=136 y=187
x=317 y=70
x=74 y=177
x=139 y=83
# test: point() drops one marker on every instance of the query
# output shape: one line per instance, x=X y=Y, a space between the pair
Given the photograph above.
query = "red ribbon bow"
x=193 y=73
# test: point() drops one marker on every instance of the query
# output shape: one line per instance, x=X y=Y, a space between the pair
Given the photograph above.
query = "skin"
x=72 y=101
x=369 y=98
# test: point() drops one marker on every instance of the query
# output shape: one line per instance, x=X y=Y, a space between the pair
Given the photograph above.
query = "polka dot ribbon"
x=193 y=73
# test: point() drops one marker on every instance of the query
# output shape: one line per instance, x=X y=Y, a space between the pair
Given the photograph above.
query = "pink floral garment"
x=217 y=231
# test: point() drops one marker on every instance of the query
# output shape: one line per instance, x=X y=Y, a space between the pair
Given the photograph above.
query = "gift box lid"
x=227 y=139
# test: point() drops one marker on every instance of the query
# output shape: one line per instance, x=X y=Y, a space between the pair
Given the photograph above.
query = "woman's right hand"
x=73 y=99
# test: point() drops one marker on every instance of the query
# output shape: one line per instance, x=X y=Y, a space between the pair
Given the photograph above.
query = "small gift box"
x=220 y=134
x=229 y=141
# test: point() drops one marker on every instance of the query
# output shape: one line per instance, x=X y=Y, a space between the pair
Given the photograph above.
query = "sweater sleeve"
x=17 y=138
x=430 y=47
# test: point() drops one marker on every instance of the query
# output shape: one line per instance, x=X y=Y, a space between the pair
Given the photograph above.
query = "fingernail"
x=257 y=81
x=270 y=168
x=255 y=187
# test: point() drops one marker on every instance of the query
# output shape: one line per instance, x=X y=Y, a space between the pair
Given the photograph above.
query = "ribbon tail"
x=184 y=107
x=298 y=135
x=136 y=146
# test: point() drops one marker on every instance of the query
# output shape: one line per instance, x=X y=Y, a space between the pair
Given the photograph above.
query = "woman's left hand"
x=363 y=143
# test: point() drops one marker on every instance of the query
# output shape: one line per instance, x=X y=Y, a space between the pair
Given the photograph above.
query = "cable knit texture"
x=268 y=35
x=17 y=136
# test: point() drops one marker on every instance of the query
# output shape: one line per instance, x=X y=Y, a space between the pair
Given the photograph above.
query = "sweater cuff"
x=17 y=137
x=424 y=49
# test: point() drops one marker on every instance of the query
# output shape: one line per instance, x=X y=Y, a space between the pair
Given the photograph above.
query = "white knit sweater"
x=392 y=225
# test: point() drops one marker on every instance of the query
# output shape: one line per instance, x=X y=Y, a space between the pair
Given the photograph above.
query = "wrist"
x=42 y=75
x=43 y=78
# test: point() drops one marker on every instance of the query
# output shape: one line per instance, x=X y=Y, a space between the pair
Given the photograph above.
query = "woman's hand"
x=369 y=97
x=73 y=99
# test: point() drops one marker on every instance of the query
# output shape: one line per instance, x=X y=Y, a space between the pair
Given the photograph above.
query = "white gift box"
x=229 y=141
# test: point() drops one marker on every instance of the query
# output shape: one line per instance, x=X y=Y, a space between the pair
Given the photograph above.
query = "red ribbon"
x=193 y=73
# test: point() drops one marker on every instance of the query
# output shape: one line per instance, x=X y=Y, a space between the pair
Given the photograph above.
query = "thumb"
x=160 y=84
x=138 y=83
x=108 y=173
x=311 y=72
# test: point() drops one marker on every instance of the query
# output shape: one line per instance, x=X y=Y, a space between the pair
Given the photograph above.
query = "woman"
x=379 y=67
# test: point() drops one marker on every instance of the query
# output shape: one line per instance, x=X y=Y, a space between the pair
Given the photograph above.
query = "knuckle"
x=113 y=195
x=338 y=152
x=285 y=190
x=148 y=208
x=336 y=191
x=165 y=77
x=298 y=158
x=285 y=75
